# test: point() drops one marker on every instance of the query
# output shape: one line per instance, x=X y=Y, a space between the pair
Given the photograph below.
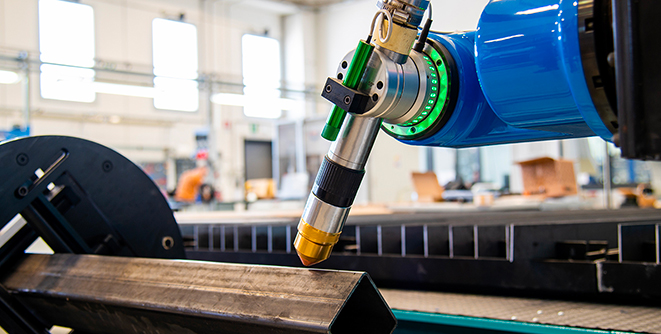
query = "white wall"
x=343 y=25
x=453 y=15
x=123 y=38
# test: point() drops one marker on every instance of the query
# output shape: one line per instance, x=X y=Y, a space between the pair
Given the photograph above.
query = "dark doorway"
x=258 y=159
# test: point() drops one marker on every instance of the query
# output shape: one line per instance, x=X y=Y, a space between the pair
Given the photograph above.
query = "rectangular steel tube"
x=104 y=294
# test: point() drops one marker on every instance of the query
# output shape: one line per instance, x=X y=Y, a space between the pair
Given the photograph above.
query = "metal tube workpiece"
x=105 y=294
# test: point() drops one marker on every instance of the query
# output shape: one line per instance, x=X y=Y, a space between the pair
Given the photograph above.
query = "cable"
x=422 y=39
x=379 y=15
x=438 y=31
x=390 y=24
x=447 y=32
x=430 y=12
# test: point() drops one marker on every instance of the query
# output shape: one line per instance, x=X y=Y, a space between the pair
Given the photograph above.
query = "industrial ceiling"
x=310 y=3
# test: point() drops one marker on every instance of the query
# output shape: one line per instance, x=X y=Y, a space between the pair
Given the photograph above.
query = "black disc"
x=106 y=199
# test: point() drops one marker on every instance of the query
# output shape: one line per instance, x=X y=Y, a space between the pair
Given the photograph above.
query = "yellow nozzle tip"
x=311 y=252
x=307 y=261
x=313 y=245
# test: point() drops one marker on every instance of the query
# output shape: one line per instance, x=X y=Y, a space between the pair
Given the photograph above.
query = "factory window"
x=261 y=76
x=175 y=65
x=66 y=43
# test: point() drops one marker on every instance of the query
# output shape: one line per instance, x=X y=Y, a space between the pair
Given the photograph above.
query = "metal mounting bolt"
x=22 y=191
x=22 y=159
x=347 y=100
x=107 y=166
x=167 y=242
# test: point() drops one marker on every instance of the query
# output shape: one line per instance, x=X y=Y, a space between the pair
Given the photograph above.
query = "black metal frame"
x=637 y=51
x=594 y=254
x=81 y=198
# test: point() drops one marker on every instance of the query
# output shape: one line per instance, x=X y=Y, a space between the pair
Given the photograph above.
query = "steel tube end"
x=313 y=245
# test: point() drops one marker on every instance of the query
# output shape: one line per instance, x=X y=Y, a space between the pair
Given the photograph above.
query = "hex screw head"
x=347 y=100
x=22 y=191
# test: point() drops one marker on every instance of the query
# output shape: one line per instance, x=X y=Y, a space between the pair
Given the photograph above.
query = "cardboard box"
x=548 y=177
x=427 y=187
x=262 y=188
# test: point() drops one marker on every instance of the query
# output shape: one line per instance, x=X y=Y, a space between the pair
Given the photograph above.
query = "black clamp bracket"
x=349 y=100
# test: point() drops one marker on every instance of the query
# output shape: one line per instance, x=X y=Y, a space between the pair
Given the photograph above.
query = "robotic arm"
x=533 y=70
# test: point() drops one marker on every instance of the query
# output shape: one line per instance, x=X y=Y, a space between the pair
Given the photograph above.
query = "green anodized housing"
x=437 y=99
x=351 y=80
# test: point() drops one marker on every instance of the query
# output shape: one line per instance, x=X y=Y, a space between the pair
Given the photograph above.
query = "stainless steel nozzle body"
x=334 y=190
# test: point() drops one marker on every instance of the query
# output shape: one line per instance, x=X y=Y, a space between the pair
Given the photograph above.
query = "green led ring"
x=435 y=106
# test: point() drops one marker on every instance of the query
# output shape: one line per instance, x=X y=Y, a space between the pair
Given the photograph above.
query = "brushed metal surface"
x=103 y=294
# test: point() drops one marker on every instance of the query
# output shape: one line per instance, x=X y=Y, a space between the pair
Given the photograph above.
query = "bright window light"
x=261 y=76
x=9 y=77
x=67 y=83
x=124 y=90
x=241 y=100
x=175 y=65
x=66 y=43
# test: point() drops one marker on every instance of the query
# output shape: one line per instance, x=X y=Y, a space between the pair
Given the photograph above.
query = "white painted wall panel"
x=123 y=36
x=20 y=21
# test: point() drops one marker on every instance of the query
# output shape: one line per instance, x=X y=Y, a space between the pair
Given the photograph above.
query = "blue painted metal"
x=520 y=78
x=529 y=65
x=473 y=122
x=492 y=324
x=15 y=132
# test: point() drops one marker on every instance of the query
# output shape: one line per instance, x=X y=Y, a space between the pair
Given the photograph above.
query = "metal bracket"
x=349 y=100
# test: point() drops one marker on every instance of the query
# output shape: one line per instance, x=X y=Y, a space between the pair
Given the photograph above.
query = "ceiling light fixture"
x=262 y=107
x=125 y=90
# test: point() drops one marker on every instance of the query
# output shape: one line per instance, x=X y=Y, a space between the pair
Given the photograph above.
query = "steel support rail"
x=103 y=294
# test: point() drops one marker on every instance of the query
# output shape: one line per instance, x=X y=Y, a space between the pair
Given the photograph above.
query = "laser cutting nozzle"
x=313 y=245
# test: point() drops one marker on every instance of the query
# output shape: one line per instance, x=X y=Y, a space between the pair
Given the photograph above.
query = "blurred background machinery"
x=459 y=230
